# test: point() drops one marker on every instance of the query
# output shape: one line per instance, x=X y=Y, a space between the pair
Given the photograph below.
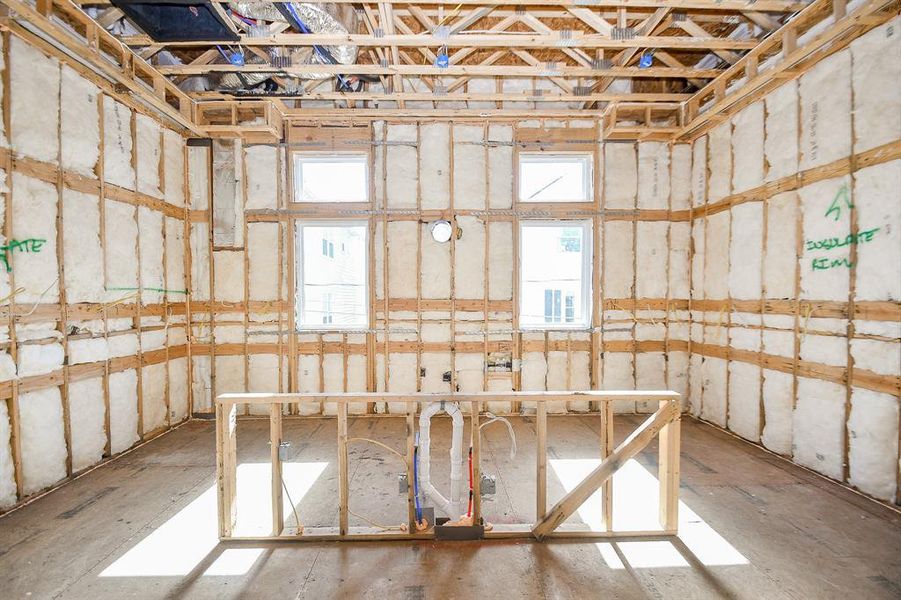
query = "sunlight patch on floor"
x=635 y=508
x=176 y=547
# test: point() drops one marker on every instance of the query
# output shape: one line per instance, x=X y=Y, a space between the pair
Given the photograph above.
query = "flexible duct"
x=326 y=18
x=452 y=507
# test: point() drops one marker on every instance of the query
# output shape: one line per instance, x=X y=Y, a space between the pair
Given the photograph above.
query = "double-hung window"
x=555 y=274
x=332 y=287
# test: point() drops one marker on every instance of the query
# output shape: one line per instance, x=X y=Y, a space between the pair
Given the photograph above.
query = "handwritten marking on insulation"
x=835 y=209
x=29 y=245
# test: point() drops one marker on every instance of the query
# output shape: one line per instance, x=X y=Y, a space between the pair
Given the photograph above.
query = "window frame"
x=299 y=225
x=587 y=158
x=298 y=157
x=587 y=227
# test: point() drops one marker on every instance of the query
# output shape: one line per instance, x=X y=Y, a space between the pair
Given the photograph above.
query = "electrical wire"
x=402 y=527
x=297 y=524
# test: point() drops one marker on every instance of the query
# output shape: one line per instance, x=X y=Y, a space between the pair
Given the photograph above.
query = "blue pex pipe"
x=416 y=478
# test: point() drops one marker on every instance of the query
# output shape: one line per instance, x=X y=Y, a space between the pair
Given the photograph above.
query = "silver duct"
x=328 y=18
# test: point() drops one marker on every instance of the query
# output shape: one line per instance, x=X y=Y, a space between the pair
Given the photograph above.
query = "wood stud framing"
x=664 y=421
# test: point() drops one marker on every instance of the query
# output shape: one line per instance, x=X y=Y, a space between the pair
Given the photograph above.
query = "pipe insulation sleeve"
x=452 y=507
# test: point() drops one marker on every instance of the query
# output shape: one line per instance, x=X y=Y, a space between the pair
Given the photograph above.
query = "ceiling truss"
x=656 y=69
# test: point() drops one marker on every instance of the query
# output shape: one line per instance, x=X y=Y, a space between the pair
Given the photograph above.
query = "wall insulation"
x=443 y=316
x=93 y=234
x=795 y=268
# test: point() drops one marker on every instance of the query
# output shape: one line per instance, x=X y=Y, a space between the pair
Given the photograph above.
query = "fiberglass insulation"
x=79 y=123
x=42 y=439
x=123 y=401
x=34 y=102
x=87 y=414
x=82 y=252
x=7 y=473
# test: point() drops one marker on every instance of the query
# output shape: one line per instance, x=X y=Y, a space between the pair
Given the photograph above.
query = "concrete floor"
x=752 y=526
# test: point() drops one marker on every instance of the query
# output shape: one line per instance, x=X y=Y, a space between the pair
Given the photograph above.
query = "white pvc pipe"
x=452 y=507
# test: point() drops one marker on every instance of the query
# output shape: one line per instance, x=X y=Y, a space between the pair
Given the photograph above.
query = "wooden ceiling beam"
x=470 y=97
x=574 y=39
x=775 y=6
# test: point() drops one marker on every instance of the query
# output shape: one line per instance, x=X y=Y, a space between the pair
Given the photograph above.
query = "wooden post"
x=668 y=470
x=342 y=468
x=606 y=449
x=476 y=437
x=275 y=441
x=541 y=452
x=226 y=468
x=411 y=429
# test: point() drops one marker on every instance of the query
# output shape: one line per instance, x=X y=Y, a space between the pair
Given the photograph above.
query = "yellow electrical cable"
x=401 y=527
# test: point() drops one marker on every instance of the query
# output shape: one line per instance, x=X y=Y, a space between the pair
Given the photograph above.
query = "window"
x=331 y=177
x=555 y=177
x=332 y=289
x=555 y=274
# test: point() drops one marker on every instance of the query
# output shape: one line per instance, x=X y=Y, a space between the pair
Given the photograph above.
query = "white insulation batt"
x=653 y=175
x=651 y=258
x=402 y=172
x=261 y=168
x=87 y=414
x=7 y=471
x=262 y=255
x=82 y=252
x=470 y=177
x=875 y=76
x=34 y=226
x=873 y=443
x=153 y=396
x=469 y=259
x=434 y=165
x=744 y=251
x=79 y=123
x=500 y=166
x=780 y=263
x=744 y=400
x=174 y=167
x=150 y=240
x=719 y=162
x=117 y=142
x=121 y=248
x=148 y=154
x=747 y=148
x=34 y=102
x=402 y=244
x=825 y=105
x=826 y=217
x=175 y=260
x=500 y=260
x=435 y=268
x=777 y=407
x=781 y=144
x=199 y=177
x=228 y=270
x=123 y=401
x=876 y=192
x=178 y=390
x=620 y=175
x=819 y=416
x=42 y=438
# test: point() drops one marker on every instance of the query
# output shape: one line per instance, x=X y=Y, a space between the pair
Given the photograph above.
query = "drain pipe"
x=452 y=507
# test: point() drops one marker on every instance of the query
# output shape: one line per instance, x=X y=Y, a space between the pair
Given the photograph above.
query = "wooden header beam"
x=475 y=40
x=452 y=71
